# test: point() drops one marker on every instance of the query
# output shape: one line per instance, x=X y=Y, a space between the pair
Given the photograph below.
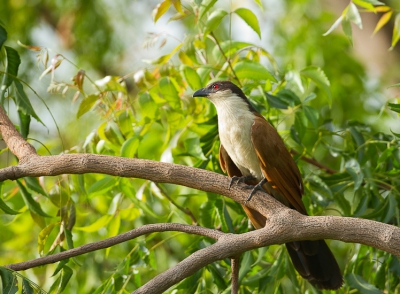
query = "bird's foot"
x=257 y=187
x=241 y=179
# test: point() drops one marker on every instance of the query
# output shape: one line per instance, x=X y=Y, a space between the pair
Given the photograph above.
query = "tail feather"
x=315 y=262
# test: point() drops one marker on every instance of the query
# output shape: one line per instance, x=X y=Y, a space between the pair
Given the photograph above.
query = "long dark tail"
x=315 y=262
x=312 y=259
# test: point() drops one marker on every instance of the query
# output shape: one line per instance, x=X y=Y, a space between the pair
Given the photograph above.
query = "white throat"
x=234 y=126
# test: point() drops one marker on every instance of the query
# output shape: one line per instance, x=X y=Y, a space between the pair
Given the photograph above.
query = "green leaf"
x=27 y=287
x=396 y=31
x=214 y=20
x=23 y=103
x=289 y=97
x=250 y=18
x=3 y=36
x=312 y=115
x=354 y=170
x=205 y=7
x=43 y=236
x=86 y=104
x=191 y=77
x=161 y=9
x=102 y=186
x=318 y=76
x=8 y=280
x=357 y=282
x=334 y=26
x=33 y=184
x=97 y=225
x=394 y=107
x=353 y=15
x=12 y=64
x=276 y=102
x=30 y=202
x=7 y=209
x=346 y=26
x=374 y=2
x=24 y=123
x=66 y=275
x=248 y=69
x=130 y=147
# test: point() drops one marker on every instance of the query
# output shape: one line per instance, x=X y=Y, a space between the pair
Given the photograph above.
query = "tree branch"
x=146 y=229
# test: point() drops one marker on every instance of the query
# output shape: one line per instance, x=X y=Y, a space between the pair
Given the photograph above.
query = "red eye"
x=215 y=86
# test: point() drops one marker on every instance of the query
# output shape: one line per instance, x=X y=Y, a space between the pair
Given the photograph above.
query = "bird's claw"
x=241 y=179
x=257 y=187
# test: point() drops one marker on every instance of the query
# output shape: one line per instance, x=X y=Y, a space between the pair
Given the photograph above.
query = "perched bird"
x=252 y=148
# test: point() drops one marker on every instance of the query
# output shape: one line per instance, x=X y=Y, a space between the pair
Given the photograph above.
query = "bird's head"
x=224 y=93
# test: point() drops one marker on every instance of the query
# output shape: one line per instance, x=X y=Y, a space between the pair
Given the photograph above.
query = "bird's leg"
x=257 y=187
x=241 y=179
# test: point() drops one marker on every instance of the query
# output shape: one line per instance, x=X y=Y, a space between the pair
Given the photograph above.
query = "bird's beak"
x=201 y=93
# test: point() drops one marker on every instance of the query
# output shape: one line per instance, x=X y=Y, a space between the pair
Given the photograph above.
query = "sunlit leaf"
x=102 y=186
x=214 y=20
x=205 y=7
x=97 y=225
x=113 y=229
x=396 y=30
x=374 y=2
x=334 y=26
x=370 y=7
x=43 y=236
x=248 y=69
x=111 y=83
x=87 y=104
x=191 y=77
x=161 y=9
x=382 y=21
x=250 y=18
x=30 y=202
x=383 y=8
x=348 y=31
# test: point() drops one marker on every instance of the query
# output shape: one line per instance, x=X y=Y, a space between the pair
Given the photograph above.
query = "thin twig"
x=312 y=161
x=185 y=210
x=226 y=58
x=146 y=229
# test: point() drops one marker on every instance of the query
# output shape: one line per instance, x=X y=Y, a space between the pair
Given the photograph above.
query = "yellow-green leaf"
x=191 y=77
x=97 y=225
x=86 y=104
x=382 y=21
x=30 y=202
x=43 y=235
x=318 y=76
x=161 y=9
x=250 y=18
x=214 y=20
x=252 y=70
x=396 y=31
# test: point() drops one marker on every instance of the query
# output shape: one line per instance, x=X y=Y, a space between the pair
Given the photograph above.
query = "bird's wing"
x=228 y=166
x=276 y=162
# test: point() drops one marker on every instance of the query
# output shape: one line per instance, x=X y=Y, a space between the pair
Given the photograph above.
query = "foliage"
x=149 y=114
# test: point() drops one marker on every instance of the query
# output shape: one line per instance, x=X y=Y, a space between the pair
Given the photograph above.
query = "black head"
x=222 y=86
x=219 y=86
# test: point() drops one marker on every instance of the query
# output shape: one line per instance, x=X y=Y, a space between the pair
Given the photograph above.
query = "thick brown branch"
x=283 y=226
x=146 y=229
x=17 y=145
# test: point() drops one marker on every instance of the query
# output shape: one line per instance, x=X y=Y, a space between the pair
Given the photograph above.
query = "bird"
x=251 y=149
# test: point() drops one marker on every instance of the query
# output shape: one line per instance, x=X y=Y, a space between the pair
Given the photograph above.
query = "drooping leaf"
x=353 y=15
x=23 y=103
x=24 y=123
x=248 y=69
x=353 y=168
x=43 y=236
x=374 y=2
x=33 y=184
x=334 y=26
x=66 y=275
x=276 y=102
x=87 y=104
x=97 y=225
x=382 y=21
x=250 y=18
x=396 y=30
x=4 y=207
x=161 y=9
x=30 y=202
x=11 y=71
x=214 y=20
x=348 y=31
